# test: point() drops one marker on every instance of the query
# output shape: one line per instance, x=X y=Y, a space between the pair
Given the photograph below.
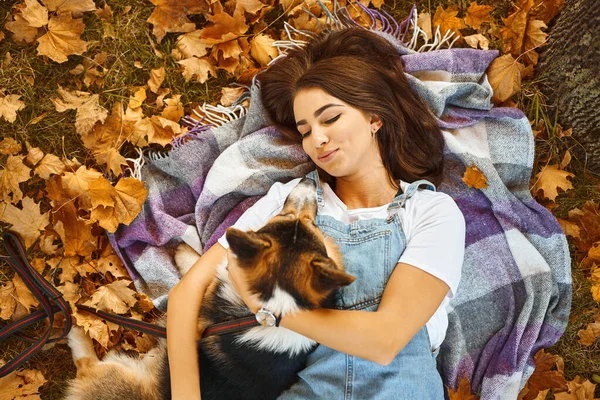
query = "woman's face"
x=335 y=135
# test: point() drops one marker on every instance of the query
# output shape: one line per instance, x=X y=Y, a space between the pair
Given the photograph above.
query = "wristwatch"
x=267 y=318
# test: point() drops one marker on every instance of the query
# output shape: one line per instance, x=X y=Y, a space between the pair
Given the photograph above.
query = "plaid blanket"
x=515 y=293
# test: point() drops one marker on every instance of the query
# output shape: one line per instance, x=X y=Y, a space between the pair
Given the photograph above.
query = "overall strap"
x=314 y=175
x=401 y=198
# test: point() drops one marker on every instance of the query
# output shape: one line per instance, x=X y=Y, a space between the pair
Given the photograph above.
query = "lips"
x=326 y=154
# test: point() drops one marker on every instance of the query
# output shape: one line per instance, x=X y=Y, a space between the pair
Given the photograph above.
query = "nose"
x=320 y=138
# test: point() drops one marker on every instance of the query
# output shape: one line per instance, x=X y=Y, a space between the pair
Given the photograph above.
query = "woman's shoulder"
x=431 y=202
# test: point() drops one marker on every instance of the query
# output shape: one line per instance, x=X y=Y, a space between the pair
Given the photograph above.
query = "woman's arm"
x=183 y=308
x=409 y=300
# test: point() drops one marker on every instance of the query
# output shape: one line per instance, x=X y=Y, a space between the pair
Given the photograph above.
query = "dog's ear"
x=326 y=276
x=245 y=245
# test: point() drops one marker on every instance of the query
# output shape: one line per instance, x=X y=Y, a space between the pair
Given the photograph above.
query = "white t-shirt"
x=433 y=225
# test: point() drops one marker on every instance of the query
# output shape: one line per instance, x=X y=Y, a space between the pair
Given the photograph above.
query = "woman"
x=346 y=98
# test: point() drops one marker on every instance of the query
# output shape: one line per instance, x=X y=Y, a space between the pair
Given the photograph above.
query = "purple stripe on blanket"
x=231 y=219
x=455 y=61
x=456 y=118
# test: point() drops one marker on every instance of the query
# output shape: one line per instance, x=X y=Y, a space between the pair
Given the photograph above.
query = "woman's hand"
x=239 y=279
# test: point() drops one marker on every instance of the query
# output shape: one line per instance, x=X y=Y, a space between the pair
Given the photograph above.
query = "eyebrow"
x=318 y=112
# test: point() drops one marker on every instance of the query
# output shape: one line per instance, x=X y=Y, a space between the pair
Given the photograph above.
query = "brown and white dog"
x=291 y=266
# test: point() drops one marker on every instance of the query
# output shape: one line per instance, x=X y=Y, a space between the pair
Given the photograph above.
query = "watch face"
x=265 y=318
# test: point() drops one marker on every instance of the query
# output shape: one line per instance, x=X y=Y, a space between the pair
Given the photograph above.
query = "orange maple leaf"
x=550 y=179
x=62 y=38
x=463 y=392
x=171 y=16
x=447 y=20
x=474 y=178
x=505 y=74
x=477 y=15
x=543 y=377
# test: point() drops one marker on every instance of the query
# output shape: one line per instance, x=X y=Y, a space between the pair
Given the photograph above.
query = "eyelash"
x=330 y=121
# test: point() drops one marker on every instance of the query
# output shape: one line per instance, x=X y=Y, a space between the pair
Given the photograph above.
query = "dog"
x=292 y=266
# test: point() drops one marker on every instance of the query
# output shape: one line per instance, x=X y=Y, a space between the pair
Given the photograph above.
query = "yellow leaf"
x=504 y=74
x=190 y=45
x=549 y=179
x=9 y=105
x=115 y=297
x=22 y=31
x=477 y=40
x=477 y=15
x=570 y=228
x=62 y=38
x=93 y=326
x=174 y=109
x=159 y=129
x=250 y=6
x=75 y=233
x=513 y=32
x=35 y=14
x=157 y=76
x=113 y=264
x=137 y=99
x=34 y=155
x=424 y=23
x=463 y=392
x=87 y=105
x=588 y=336
x=224 y=27
x=76 y=7
x=262 y=50
x=197 y=68
x=76 y=185
x=230 y=94
x=50 y=164
x=9 y=146
x=474 y=178
x=447 y=20
x=70 y=293
x=22 y=384
x=27 y=222
x=578 y=390
x=23 y=294
x=171 y=16
x=7 y=299
x=127 y=198
x=14 y=173
x=534 y=38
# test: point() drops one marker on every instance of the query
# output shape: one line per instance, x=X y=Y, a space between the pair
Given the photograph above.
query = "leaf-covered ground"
x=85 y=83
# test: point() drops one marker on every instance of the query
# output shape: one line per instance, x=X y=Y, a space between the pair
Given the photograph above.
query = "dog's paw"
x=80 y=343
x=185 y=257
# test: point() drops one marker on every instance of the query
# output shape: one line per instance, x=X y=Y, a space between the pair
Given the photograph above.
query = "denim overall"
x=370 y=248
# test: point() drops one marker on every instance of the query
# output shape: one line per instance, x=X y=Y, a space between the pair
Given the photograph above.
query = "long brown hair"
x=364 y=70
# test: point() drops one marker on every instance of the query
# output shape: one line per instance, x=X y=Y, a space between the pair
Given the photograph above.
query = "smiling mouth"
x=328 y=156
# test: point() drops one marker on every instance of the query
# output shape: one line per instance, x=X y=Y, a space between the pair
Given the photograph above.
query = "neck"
x=370 y=189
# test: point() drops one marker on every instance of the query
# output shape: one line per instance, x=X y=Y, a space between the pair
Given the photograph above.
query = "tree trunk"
x=570 y=65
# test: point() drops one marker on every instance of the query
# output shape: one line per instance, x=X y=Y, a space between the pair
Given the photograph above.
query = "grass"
x=36 y=79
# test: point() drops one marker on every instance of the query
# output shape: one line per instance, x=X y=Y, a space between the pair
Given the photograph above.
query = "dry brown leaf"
x=227 y=55
x=550 y=179
x=62 y=38
x=171 y=16
x=50 y=164
x=474 y=178
x=230 y=94
x=76 y=185
x=23 y=295
x=224 y=28
x=504 y=74
x=34 y=13
x=9 y=105
x=578 y=390
x=545 y=10
x=513 y=32
x=34 y=155
x=89 y=110
x=424 y=23
x=190 y=45
x=144 y=302
x=75 y=233
x=137 y=99
x=22 y=384
x=7 y=299
x=477 y=15
x=543 y=376
x=76 y=7
x=158 y=129
x=22 y=31
x=92 y=70
x=113 y=264
x=570 y=228
x=250 y=6
x=70 y=293
x=93 y=326
x=595 y=280
x=463 y=391
x=115 y=297
x=173 y=109
x=157 y=76
x=9 y=146
x=27 y=222
x=588 y=336
x=447 y=20
x=534 y=38
x=105 y=13
x=477 y=40
x=197 y=69
x=262 y=50
x=47 y=242
x=14 y=173
x=119 y=204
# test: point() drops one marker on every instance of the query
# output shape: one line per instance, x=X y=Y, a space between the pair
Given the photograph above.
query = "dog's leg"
x=82 y=349
x=185 y=257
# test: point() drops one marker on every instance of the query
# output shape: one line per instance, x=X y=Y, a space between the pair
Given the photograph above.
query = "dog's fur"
x=291 y=266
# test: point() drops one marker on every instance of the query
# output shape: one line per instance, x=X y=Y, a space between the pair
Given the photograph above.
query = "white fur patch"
x=278 y=339
x=303 y=194
x=81 y=344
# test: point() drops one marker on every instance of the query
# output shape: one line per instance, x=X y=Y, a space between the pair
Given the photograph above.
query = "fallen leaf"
x=14 y=173
x=34 y=155
x=22 y=31
x=27 y=222
x=550 y=179
x=504 y=74
x=174 y=109
x=463 y=392
x=171 y=16
x=115 y=297
x=570 y=228
x=543 y=376
x=22 y=384
x=190 y=45
x=9 y=105
x=144 y=302
x=230 y=94
x=93 y=326
x=89 y=111
x=477 y=40
x=7 y=299
x=197 y=68
x=477 y=15
x=35 y=14
x=9 y=146
x=447 y=20
x=513 y=32
x=157 y=76
x=534 y=38
x=114 y=265
x=70 y=293
x=50 y=164
x=62 y=38
x=578 y=390
x=76 y=7
x=76 y=185
x=424 y=23
x=262 y=50
x=588 y=336
x=75 y=233
x=224 y=27
x=474 y=178
x=22 y=293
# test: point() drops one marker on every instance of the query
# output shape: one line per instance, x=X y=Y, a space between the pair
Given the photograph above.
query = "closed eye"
x=328 y=122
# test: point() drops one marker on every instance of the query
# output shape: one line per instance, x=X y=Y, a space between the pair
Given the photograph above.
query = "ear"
x=245 y=245
x=327 y=277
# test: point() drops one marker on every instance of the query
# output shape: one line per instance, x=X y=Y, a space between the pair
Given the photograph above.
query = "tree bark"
x=570 y=65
